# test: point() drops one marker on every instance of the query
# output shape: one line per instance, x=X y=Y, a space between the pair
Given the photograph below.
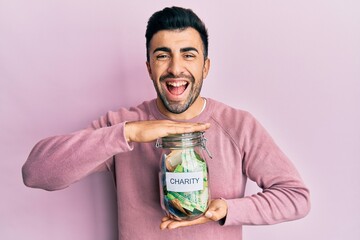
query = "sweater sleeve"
x=56 y=162
x=284 y=196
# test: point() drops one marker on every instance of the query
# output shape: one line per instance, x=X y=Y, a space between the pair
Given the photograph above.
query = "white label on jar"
x=184 y=182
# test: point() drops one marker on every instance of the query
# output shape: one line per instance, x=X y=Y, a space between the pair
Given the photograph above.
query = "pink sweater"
x=241 y=149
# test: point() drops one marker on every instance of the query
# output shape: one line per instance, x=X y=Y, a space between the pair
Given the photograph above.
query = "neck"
x=194 y=110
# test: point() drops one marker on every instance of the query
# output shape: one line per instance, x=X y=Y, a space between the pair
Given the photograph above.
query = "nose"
x=176 y=66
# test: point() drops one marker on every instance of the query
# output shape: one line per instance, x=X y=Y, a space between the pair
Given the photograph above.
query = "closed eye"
x=162 y=56
x=189 y=56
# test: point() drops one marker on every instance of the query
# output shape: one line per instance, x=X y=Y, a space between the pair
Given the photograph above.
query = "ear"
x=148 y=68
x=206 y=68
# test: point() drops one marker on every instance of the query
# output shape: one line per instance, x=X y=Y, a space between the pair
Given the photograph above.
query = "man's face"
x=177 y=67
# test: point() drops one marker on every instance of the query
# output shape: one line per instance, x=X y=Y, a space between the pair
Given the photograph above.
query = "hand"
x=217 y=210
x=148 y=131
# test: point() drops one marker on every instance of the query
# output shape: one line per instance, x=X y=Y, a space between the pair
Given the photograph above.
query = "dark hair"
x=172 y=19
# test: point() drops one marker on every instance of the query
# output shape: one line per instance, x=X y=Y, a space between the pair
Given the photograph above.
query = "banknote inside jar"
x=186 y=205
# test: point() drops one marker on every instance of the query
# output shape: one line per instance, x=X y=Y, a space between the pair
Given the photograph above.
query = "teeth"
x=177 y=83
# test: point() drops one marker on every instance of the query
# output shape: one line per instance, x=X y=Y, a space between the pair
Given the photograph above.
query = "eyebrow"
x=166 y=49
x=189 y=49
x=162 y=49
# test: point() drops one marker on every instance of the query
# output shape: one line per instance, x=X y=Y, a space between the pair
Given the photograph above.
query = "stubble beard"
x=176 y=107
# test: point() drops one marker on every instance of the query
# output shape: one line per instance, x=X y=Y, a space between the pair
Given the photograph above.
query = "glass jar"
x=184 y=190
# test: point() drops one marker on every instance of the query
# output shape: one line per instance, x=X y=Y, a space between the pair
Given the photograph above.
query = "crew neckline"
x=202 y=117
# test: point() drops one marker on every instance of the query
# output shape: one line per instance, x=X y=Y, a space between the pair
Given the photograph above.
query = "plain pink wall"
x=294 y=64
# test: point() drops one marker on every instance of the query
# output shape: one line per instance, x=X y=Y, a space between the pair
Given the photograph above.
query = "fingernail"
x=208 y=214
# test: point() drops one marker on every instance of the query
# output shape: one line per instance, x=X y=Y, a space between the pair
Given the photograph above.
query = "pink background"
x=294 y=64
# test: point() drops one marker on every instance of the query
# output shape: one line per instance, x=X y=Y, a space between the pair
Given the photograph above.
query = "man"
x=123 y=142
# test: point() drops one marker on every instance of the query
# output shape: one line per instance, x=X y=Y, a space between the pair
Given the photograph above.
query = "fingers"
x=213 y=215
x=217 y=210
x=147 y=131
x=169 y=223
x=178 y=128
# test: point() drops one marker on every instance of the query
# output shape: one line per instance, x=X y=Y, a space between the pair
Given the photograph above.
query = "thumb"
x=212 y=215
x=208 y=214
x=217 y=210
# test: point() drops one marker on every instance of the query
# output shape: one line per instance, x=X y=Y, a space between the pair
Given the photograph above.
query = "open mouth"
x=177 y=87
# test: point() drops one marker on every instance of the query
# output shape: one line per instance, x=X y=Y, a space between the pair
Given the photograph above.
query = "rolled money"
x=173 y=159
